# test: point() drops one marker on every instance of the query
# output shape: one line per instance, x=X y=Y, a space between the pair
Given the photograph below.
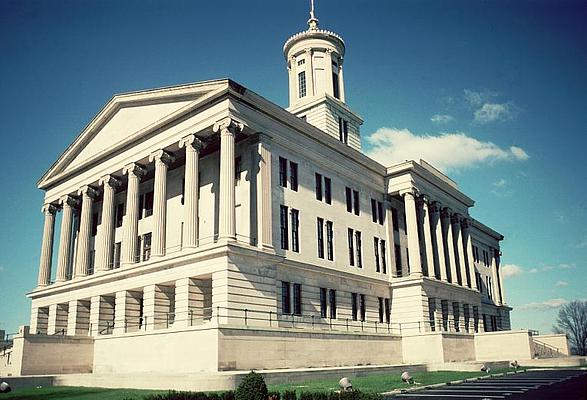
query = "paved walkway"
x=535 y=385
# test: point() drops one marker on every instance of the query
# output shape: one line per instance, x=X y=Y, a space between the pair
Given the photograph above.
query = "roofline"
x=487 y=230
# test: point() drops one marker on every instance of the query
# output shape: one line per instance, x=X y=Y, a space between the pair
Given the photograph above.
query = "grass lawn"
x=382 y=382
x=78 y=393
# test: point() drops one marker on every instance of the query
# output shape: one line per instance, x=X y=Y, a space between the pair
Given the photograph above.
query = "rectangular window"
x=398 y=261
x=466 y=316
x=146 y=240
x=376 y=249
x=345 y=131
x=302 y=61
x=327 y=190
x=320 y=232
x=238 y=165
x=349 y=199
x=318 y=187
x=476 y=318
x=394 y=220
x=332 y=300
x=374 y=210
x=431 y=310
x=381 y=310
x=295 y=234
x=148 y=206
x=380 y=212
x=285 y=298
x=359 y=249
x=363 y=307
x=282 y=172
x=329 y=241
x=356 y=201
x=383 y=259
x=302 y=84
x=387 y=311
x=94 y=224
x=293 y=176
x=354 y=306
x=340 y=132
x=116 y=255
x=119 y=214
x=456 y=315
x=444 y=308
x=335 y=88
x=351 y=246
x=284 y=228
x=297 y=299
x=323 y=307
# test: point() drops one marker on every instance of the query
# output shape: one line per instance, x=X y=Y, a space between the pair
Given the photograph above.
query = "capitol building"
x=206 y=228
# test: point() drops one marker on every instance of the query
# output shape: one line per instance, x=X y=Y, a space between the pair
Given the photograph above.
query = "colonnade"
x=107 y=186
x=439 y=239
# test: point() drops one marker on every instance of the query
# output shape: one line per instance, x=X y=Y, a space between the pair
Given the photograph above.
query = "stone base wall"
x=438 y=347
x=504 y=345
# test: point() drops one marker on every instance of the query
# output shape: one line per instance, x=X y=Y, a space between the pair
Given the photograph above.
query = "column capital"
x=109 y=180
x=134 y=169
x=456 y=218
x=69 y=200
x=191 y=142
x=435 y=207
x=228 y=126
x=445 y=212
x=89 y=191
x=466 y=223
x=49 y=209
x=308 y=50
x=161 y=156
x=412 y=192
x=424 y=198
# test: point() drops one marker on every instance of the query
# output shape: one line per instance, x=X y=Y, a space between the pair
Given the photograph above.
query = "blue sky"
x=493 y=92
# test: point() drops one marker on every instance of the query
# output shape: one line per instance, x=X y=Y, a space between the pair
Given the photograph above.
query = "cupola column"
x=49 y=211
x=309 y=74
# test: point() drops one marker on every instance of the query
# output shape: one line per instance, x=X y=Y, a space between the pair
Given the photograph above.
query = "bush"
x=274 y=396
x=289 y=395
x=252 y=387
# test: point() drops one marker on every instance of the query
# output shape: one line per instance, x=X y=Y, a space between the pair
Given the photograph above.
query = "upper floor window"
x=320 y=234
x=295 y=227
x=394 y=220
x=343 y=130
x=293 y=174
x=285 y=298
x=351 y=243
x=323 y=302
x=377 y=211
x=94 y=224
x=359 y=249
x=323 y=188
x=282 y=172
x=297 y=299
x=329 y=241
x=335 y=85
x=352 y=200
x=302 y=84
x=332 y=303
x=146 y=205
x=144 y=247
x=302 y=61
x=283 y=225
x=119 y=213
x=318 y=186
x=238 y=168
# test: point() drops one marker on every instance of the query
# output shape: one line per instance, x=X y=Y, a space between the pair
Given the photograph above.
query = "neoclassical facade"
x=199 y=221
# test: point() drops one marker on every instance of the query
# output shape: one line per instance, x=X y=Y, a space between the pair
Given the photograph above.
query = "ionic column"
x=105 y=242
x=192 y=145
x=450 y=247
x=412 y=226
x=228 y=129
x=329 y=88
x=88 y=194
x=469 y=249
x=499 y=276
x=456 y=226
x=340 y=80
x=67 y=204
x=309 y=74
x=131 y=221
x=439 y=244
x=494 y=276
x=264 y=202
x=428 y=236
x=162 y=160
x=49 y=211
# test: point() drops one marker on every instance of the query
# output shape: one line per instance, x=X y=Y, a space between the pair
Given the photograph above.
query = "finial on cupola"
x=313 y=21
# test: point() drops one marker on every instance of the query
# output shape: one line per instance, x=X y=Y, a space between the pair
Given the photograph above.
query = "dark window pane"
x=329 y=240
x=332 y=303
x=356 y=201
x=323 y=307
x=282 y=172
x=374 y=210
x=354 y=306
x=285 y=298
x=376 y=249
x=320 y=232
x=359 y=249
x=302 y=84
x=327 y=190
x=318 y=187
x=295 y=234
x=349 y=199
x=284 y=228
x=380 y=212
x=297 y=298
x=293 y=171
x=383 y=257
x=351 y=247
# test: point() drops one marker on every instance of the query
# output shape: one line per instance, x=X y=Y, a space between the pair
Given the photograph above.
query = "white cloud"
x=441 y=118
x=519 y=153
x=476 y=98
x=562 y=284
x=511 y=270
x=446 y=151
x=500 y=183
x=544 y=305
x=492 y=112
x=501 y=188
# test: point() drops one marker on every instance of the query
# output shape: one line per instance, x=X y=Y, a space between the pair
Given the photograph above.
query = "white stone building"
x=205 y=228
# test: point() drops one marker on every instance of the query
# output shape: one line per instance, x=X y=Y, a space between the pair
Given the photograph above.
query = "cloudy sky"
x=491 y=92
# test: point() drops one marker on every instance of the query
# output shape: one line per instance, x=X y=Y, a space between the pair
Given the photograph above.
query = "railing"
x=60 y=332
x=545 y=350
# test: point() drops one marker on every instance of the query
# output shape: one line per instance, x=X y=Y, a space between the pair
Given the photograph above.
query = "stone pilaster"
x=78 y=322
x=412 y=225
x=450 y=246
x=192 y=145
x=309 y=73
x=291 y=70
x=228 y=128
x=105 y=242
x=131 y=221
x=456 y=226
x=435 y=208
x=428 y=236
x=341 y=81
x=389 y=229
x=328 y=74
x=57 y=323
x=469 y=249
x=82 y=262
x=264 y=202
x=49 y=211
x=64 y=256
x=162 y=160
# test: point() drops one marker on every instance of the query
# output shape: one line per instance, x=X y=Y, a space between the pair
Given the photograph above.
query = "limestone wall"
x=558 y=343
x=437 y=347
x=166 y=351
x=505 y=345
x=244 y=349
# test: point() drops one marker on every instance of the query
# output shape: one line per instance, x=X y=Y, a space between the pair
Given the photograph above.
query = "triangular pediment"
x=125 y=117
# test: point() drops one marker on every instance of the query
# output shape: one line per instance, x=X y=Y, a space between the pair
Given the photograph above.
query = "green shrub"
x=289 y=395
x=173 y=395
x=273 y=396
x=229 y=395
x=252 y=387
